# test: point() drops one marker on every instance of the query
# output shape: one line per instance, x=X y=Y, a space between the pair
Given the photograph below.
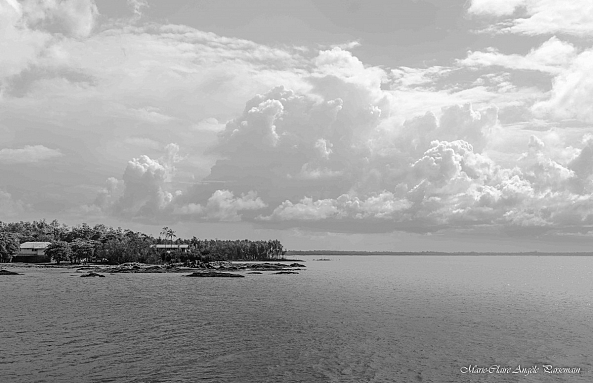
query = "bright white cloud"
x=334 y=142
x=538 y=17
x=495 y=7
x=571 y=91
x=299 y=159
x=382 y=206
x=223 y=206
x=553 y=56
x=142 y=190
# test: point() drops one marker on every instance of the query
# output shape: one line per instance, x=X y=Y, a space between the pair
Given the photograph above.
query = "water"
x=351 y=319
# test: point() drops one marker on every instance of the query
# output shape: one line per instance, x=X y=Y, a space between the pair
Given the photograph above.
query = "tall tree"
x=171 y=234
x=9 y=246
x=81 y=249
x=164 y=232
x=58 y=251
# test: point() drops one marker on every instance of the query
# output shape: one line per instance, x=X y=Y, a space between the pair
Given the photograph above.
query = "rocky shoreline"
x=218 y=266
x=211 y=269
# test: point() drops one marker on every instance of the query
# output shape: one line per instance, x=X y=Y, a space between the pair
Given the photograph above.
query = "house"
x=32 y=252
x=172 y=247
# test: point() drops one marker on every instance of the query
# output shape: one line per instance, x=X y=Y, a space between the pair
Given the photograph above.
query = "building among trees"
x=172 y=247
x=32 y=252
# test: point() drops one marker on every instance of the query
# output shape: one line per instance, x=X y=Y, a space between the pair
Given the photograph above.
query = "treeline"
x=100 y=243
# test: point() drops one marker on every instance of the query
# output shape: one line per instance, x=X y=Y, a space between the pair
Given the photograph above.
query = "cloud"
x=342 y=160
x=496 y=8
x=73 y=17
x=23 y=43
x=570 y=91
x=451 y=186
x=538 y=17
x=142 y=190
x=137 y=6
x=402 y=178
x=223 y=206
x=326 y=141
x=334 y=158
x=553 y=56
x=382 y=206
x=28 y=154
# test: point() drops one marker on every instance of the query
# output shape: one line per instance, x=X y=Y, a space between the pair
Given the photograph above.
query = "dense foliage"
x=100 y=243
x=9 y=245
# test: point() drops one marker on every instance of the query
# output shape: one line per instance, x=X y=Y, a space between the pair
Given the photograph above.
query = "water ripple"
x=355 y=319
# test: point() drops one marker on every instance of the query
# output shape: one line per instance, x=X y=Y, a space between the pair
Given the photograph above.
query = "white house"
x=31 y=252
x=172 y=247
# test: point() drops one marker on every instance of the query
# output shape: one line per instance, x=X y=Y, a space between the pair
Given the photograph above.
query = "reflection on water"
x=352 y=319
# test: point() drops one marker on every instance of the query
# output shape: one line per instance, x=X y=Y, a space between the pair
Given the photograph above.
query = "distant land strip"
x=347 y=252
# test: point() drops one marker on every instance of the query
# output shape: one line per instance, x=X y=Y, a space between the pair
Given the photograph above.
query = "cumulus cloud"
x=337 y=148
x=142 y=190
x=342 y=163
x=402 y=178
x=452 y=186
x=28 y=154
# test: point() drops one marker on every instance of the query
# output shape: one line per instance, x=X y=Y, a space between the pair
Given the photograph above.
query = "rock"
x=255 y=272
x=8 y=272
x=286 y=272
x=91 y=274
x=215 y=274
x=296 y=265
x=267 y=266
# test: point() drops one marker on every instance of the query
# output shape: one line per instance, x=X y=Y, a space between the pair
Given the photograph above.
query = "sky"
x=397 y=125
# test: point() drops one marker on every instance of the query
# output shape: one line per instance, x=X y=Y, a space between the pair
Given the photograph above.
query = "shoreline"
x=142 y=268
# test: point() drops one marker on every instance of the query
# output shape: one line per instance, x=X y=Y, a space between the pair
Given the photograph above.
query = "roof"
x=169 y=246
x=35 y=245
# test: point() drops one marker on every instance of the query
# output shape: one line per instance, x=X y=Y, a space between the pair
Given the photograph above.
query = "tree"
x=9 y=246
x=58 y=251
x=171 y=234
x=164 y=232
x=81 y=249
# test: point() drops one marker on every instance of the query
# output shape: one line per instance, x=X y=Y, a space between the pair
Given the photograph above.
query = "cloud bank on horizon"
x=154 y=122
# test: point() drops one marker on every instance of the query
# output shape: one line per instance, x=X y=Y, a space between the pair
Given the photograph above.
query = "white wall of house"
x=32 y=252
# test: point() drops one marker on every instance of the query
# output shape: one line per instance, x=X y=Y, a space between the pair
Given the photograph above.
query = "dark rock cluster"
x=214 y=274
x=92 y=274
x=8 y=272
x=201 y=269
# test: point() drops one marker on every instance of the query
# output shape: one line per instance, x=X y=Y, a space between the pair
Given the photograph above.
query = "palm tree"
x=164 y=232
x=171 y=233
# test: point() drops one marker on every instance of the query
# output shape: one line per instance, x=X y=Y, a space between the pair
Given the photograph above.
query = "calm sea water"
x=351 y=319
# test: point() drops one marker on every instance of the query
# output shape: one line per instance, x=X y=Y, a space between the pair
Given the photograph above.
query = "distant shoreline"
x=438 y=253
